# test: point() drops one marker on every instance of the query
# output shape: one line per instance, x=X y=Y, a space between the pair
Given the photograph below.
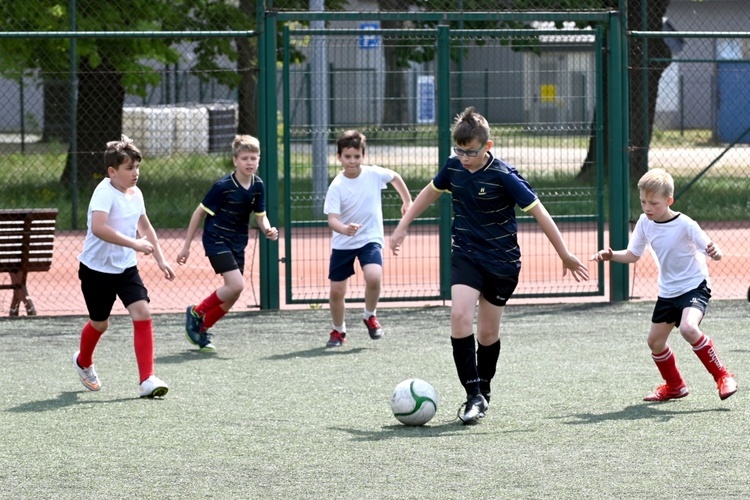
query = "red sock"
x=143 y=342
x=667 y=365
x=89 y=338
x=210 y=302
x=212 y=317
x=706 y=352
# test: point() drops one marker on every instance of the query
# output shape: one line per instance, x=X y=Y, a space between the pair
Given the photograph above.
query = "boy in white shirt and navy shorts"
x=355 y=215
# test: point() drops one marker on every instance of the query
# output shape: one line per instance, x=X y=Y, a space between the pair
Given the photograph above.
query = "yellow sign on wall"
x=548 y=93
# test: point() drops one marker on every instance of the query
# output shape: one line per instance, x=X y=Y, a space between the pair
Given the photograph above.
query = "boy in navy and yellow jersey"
x=486 y=258
x=227 y=207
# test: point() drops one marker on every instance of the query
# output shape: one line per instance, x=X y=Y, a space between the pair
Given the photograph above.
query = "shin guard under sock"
x=207 y=304
x=667 y=365
x=89 y=339
x=706 y=352
x=464 y=356
x=143 y=343
x=212 y=317
x=487 y=356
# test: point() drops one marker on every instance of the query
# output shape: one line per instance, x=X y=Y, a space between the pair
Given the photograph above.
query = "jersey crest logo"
x=482 y=192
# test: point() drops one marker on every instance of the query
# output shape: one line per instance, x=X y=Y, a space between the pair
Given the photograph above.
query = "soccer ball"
x=414 y=402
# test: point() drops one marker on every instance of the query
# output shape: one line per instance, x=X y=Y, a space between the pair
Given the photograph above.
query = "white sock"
x=369 y=313
x=340 y=328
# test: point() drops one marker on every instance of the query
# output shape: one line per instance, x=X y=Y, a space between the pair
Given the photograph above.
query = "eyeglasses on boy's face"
x=471 y=153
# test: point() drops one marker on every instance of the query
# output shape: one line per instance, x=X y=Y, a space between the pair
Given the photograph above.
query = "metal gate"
x=405 y=108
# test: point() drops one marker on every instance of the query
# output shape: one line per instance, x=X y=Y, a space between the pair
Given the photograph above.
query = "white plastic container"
x=191 y=130
x=151 y=128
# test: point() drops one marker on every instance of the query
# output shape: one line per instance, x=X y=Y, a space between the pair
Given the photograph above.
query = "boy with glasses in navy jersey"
x=485 y=258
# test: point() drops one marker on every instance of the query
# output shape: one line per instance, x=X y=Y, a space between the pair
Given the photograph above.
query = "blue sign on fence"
x=368 y=40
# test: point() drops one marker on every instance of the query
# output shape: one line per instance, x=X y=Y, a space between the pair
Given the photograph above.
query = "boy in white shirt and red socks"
x=119 y=229
x=680 y=246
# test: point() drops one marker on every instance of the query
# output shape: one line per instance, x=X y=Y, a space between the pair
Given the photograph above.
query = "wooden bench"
x=26 y=241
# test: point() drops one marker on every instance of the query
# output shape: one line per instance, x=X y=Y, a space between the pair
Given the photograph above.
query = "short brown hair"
x=351 y=139
x=118 y=152
x=470 y=125
x=245 y=143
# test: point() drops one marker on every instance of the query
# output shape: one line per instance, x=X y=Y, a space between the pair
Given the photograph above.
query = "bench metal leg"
x=20 y=295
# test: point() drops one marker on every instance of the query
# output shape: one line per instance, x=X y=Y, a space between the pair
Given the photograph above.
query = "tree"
x=107 y=68
x=110 y=68
x=641 y=129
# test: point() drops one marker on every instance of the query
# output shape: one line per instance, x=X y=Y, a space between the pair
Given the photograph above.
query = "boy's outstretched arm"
x=195 y=220
x=424 y=199
x=621 y=256
x=265 y=225
x=403 y=191
x=146 y=229
x=570 y=261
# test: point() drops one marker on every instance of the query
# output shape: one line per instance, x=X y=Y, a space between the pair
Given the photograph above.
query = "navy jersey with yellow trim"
x=229 y=206
x=484 y=219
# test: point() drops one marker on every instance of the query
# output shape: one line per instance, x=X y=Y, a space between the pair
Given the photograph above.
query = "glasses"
x=471 y=153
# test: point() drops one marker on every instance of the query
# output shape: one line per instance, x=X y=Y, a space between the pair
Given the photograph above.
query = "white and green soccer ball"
x=414 y=402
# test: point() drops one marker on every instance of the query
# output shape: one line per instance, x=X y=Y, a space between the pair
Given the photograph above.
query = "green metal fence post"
x=599 y=157
x=444 y=145
x=617 y=120
x=267 y=131
x=287 y=144
x=73 y=156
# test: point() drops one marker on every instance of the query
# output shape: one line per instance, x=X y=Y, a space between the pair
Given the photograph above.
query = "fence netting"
x=183 y=98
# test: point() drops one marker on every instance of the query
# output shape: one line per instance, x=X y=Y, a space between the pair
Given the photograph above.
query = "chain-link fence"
x=501 y=69
x=136 y=71
x=690 y=114
x=182 y=98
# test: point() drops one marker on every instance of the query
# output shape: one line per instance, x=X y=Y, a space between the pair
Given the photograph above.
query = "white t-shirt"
x=124 y=211
x=358 y=201
x=679 y=249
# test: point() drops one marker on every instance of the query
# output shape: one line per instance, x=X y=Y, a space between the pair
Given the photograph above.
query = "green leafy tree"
x=107 y=67
x=110 y=68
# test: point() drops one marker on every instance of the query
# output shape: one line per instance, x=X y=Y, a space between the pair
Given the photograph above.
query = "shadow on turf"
x=315 y=353
x=190 y=355
x=64 y=400
x=443 y=428
x=644 y=411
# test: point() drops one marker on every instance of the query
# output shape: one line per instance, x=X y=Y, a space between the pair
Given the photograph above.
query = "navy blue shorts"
x=224 y=254
x=670 y=310
x=495 y=288
x=101 y=289
x=225 y=262
x=342 y=261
